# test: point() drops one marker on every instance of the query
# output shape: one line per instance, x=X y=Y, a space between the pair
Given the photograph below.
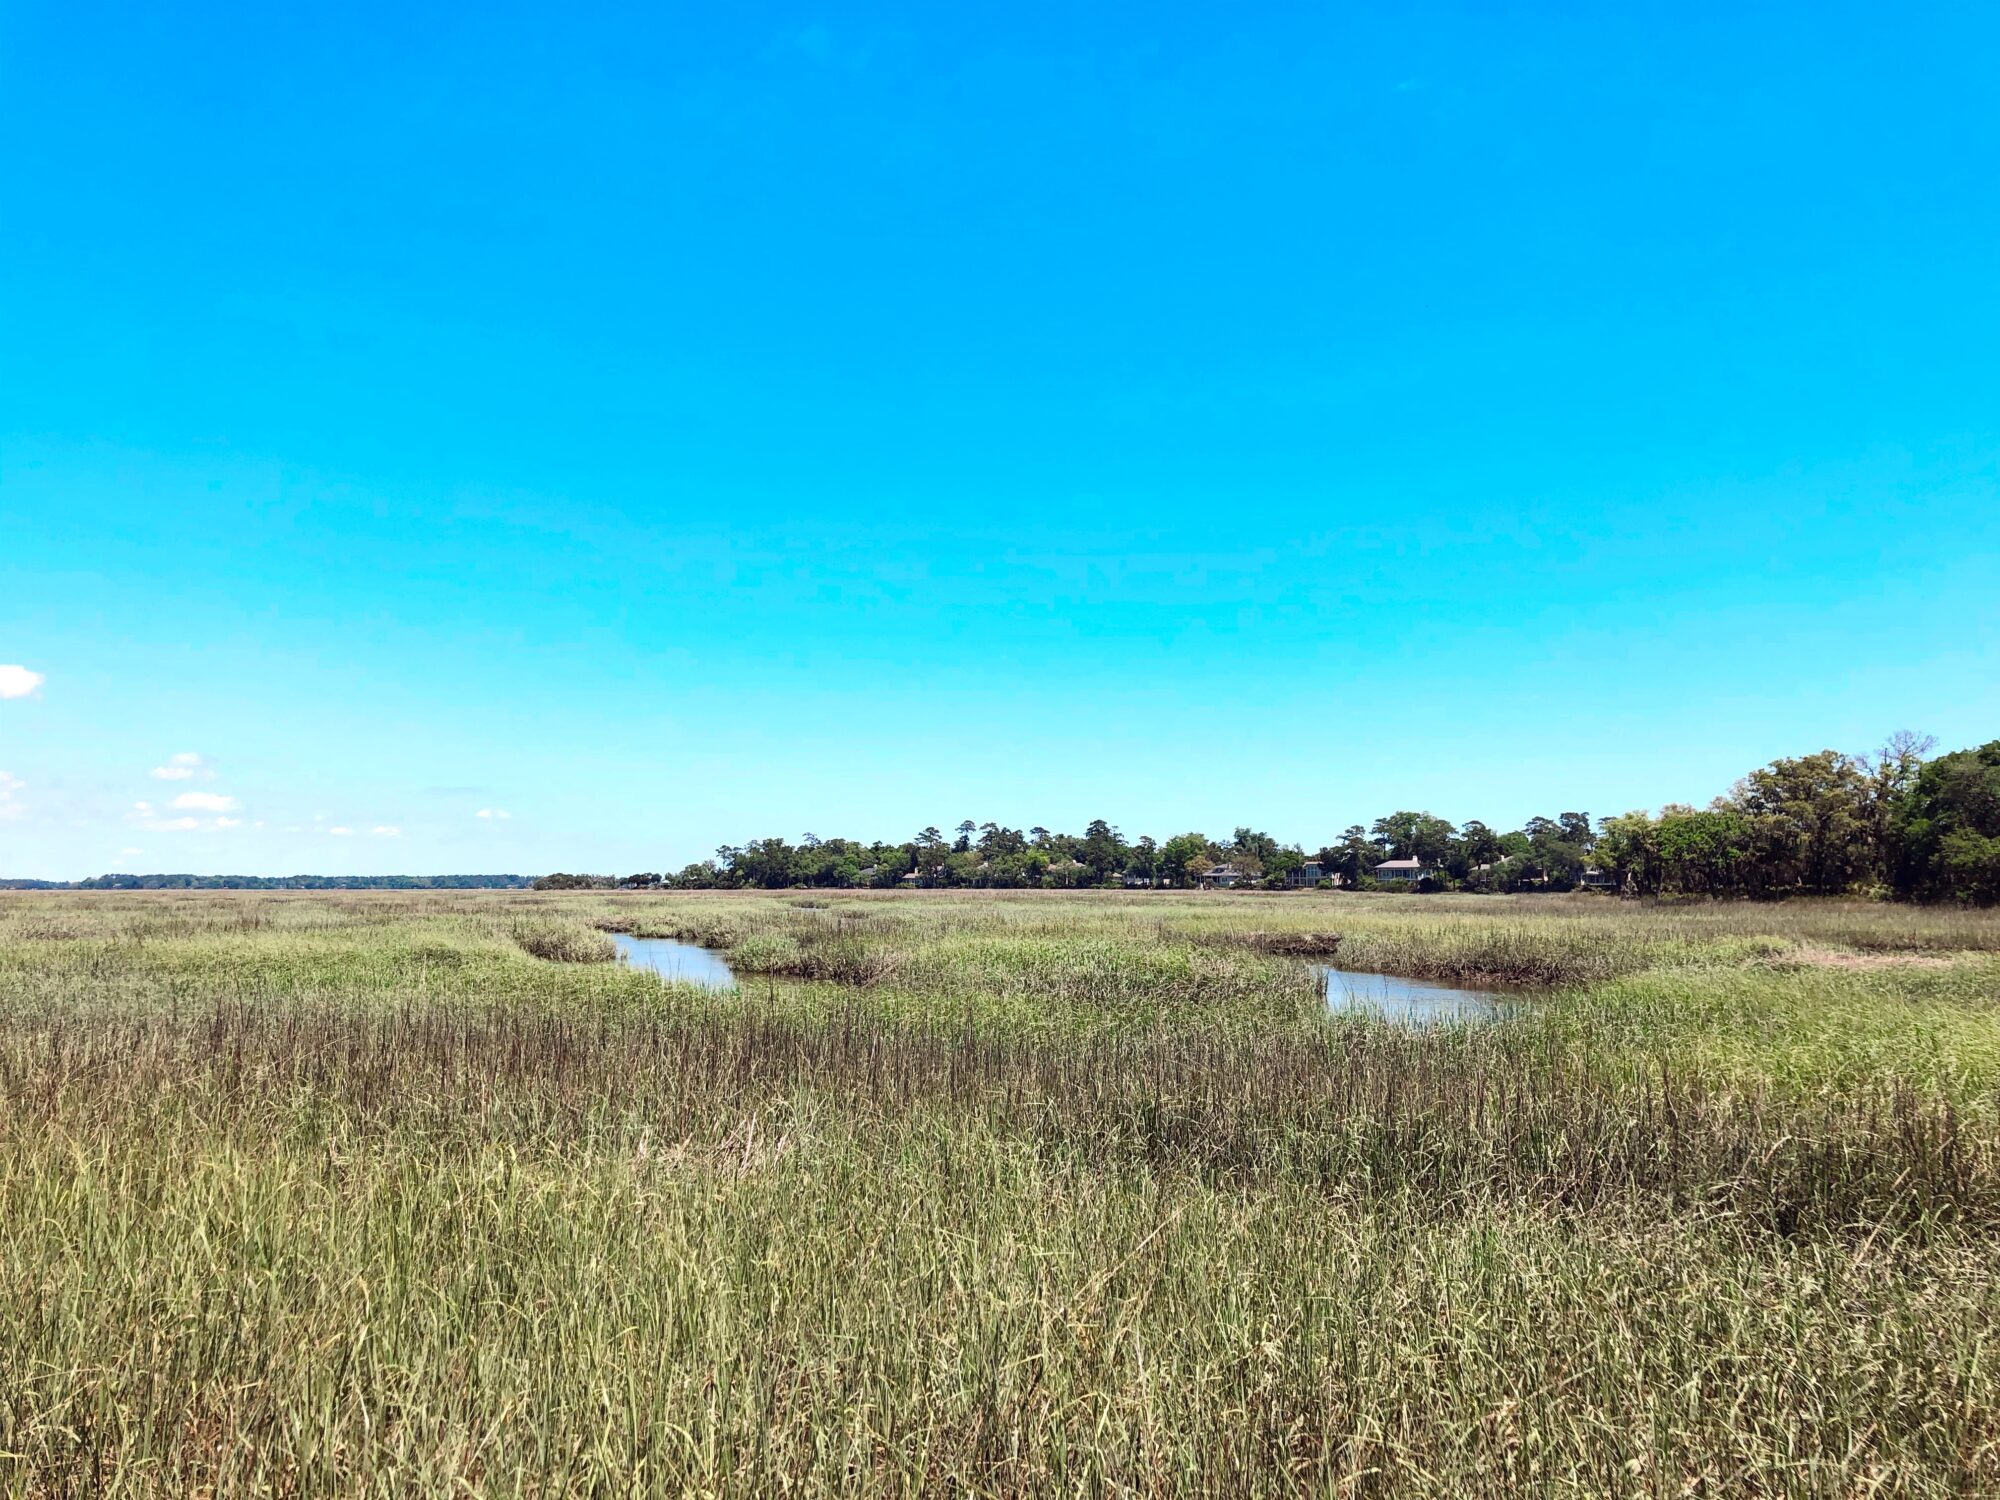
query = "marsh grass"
x=812 y=950
x=341 y=1195
x=1291 y=944
x=564 y=942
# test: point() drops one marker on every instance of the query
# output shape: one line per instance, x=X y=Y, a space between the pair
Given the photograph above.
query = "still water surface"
x=673 y=959
x=1409 y=1002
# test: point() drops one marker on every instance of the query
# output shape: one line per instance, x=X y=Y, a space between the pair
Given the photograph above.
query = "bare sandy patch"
x=1835 y=958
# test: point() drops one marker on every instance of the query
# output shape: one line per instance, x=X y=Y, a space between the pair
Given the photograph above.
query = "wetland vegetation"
x=994 y=1193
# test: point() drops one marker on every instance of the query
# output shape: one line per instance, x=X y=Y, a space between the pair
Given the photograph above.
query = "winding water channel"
x=1388 y=997
x=672 y=959
x=1408 y=1002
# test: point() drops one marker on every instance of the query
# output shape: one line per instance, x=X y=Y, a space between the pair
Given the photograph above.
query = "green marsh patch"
x=356 y=1194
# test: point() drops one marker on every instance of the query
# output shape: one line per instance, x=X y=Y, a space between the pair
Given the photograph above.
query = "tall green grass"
x=340 y=1195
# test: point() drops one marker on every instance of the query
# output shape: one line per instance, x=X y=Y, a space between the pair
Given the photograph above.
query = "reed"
x=564 y=942
x=339 y=1195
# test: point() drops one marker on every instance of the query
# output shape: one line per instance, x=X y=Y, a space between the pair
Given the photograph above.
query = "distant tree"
x=562 y=881
x=927 y=852
x=995 y=840
x=1144 y=859
x=1628 y=850
x=1248 y=846
x=1065 y=873
x=1946 y=830
x=1283 y=860
x=1699 y=852
x=1352 y=858
x=1550 y=860
x=1820 y=823
x=769 y=864
x=1102 y=850
x=1810 y=823
x=1414 y=835
x=1181 y=855
x=1892 y=776
x=1476 y=845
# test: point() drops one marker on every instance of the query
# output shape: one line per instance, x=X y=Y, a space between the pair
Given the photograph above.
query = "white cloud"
x=386 y=831
x=183 y=767
x=493 y=812
x=16 y=681
x=341 y=833
x=205 y=802
x=128 y=853
x=10 y=802
x=146 y=816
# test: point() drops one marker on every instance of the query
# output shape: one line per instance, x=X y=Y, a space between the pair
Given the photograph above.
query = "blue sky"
x=670 y=425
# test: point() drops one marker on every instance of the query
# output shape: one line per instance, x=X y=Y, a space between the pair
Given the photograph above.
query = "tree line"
x=1891 y=823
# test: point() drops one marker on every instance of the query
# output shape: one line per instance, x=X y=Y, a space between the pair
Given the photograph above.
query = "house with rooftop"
x=1411 y=870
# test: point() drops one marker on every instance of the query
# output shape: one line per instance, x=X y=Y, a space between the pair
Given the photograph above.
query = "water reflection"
x=1408 y=1002
x=672 y=959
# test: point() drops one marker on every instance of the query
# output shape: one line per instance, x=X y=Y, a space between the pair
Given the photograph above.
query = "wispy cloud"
x=341 y=833
x=147 y=816
x=499 y=813
x=16 y=681
x=214 y=802
x=386 y=831
x=10 y=795
x=183 y=767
